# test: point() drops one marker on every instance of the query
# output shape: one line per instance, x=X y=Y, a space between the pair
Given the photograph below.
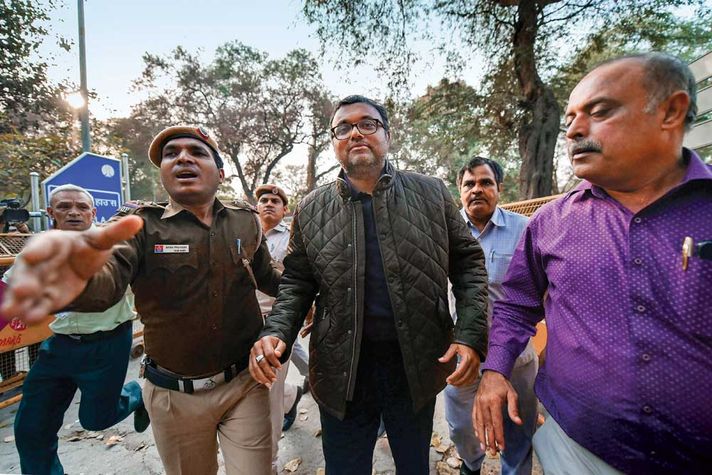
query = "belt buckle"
x=142 y=367
x=205 y=384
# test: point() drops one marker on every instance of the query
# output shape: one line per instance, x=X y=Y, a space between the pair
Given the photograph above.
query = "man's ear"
x=500 y=187
x=50 y=214
x=675 y=110
x=222 y=174
x=93 y=214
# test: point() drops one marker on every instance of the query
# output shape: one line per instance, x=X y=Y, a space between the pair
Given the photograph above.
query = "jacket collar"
x=385 y=181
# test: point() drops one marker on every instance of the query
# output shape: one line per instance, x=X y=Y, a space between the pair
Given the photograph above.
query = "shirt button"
x=215 y=327
x=212 y=233
x=653 y=453
x=638 y=261
x=349 y=332
x=344 y=373
x=400 y=323
x=645 y=357
x=637 y=220
x=215 y=293
x=647 y=409
x=640 y=308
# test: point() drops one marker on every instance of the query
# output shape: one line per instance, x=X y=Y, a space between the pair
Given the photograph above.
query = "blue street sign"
x=100 y=176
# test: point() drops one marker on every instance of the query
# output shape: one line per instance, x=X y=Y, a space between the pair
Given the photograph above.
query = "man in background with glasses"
x=377 y=246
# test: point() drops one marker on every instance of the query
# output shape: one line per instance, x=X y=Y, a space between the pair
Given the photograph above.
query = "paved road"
x=91 y=452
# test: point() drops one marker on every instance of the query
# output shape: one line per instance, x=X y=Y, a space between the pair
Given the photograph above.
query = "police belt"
x=169 y=380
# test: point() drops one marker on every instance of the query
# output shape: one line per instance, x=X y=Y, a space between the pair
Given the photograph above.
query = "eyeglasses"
x=364 y=127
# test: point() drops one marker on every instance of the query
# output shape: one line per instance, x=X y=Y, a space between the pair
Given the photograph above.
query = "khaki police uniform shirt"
x=194 y=284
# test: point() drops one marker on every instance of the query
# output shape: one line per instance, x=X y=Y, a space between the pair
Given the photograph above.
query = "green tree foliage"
x=36 y=127
x=131 y=136
x=525 y=44
x=259 y=108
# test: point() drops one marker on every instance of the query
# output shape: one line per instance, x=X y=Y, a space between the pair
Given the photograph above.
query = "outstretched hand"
x=55 y=266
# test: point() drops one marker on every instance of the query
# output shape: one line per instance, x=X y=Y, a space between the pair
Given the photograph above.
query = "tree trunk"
x=311 y=163
x=540 y=128
x=234 y=152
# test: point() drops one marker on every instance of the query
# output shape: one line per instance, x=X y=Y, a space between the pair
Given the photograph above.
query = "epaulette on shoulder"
x=132 y=207
x=241 y=204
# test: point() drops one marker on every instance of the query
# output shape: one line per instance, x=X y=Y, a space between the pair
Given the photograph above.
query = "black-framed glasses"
x=364 y=126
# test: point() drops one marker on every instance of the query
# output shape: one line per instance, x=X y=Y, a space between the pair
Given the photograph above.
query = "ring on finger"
x=259 y=358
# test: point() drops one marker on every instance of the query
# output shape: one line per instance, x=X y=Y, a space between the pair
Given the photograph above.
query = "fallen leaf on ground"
x=435 y=440
x=453 y=462
x=303 y=411
x=442 y=468
x=303 y=418
x=9 y=438
x=113 y=440
x=317 y=433
x=320 y=471
x=74 y=438
x=442 y=448
x=293 y=465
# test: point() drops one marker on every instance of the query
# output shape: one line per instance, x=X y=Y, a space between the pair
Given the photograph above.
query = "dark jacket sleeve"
x=468 y=275
x=297 y=290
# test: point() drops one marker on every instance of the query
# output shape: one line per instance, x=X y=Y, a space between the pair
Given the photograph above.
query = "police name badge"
x=171 y=248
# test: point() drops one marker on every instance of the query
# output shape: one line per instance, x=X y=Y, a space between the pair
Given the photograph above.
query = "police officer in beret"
x=194 y=264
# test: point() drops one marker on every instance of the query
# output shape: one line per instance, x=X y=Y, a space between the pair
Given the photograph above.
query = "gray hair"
x=664 y=75
x=69 y=187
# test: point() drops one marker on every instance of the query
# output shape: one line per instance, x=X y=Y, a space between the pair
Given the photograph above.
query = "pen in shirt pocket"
x=238 y=242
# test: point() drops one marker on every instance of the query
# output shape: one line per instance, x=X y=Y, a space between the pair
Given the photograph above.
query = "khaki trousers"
x=281 y=399
x=187 y=427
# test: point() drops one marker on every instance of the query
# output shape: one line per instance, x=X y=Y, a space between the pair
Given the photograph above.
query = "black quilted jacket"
x=423 y=240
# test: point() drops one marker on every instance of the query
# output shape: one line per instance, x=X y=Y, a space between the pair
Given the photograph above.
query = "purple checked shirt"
x=628 y=371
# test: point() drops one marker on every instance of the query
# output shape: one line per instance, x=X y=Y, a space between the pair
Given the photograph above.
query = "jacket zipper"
x=354 y=292
x=383 y=263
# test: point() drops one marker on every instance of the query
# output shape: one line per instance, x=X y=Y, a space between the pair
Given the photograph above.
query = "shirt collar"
x=696 y=170
x=498 y=219
x=281 y=227
x=173 y=208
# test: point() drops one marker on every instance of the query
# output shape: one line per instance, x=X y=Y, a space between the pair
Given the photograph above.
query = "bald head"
x=663 y=75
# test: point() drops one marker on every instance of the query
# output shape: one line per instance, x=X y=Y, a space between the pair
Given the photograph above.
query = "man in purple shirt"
x=628 y=371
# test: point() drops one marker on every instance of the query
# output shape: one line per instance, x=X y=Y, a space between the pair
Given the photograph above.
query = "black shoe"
x=305 y=385
x=291 y=416
x=465 y=470
x=141 y=419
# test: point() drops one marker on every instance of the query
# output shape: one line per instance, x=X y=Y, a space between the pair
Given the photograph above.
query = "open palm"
x=55 y=266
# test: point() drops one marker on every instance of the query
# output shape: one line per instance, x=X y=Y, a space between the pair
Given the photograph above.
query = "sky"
x=119 y=32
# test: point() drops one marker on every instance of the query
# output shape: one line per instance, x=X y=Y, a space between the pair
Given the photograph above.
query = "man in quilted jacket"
x=375 y=249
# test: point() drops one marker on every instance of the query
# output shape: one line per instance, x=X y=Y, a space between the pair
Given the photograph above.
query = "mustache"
x=583 y=146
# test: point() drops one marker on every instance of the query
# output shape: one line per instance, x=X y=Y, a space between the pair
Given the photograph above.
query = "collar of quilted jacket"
x=385 y=181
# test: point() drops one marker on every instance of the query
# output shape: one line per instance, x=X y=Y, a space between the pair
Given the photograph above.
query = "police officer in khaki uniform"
x=194 y=264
